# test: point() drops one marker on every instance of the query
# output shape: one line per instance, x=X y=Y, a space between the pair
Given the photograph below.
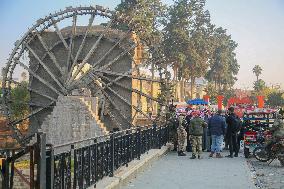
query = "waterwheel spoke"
x=95 y=78
x=90 y=53
x=111 y=49
x=117 y=79
x=27 y=103
x=118 y=57
x=91 y=20
x=129 y=76
x=122 y=98
x=130 y=89
x=103 y=57
x=38 y=77
x=59 y=33
x=32 y=90
x=46 y=69
x=41 y=94
x=51 y=55
x=34 y=112
x=70 y=49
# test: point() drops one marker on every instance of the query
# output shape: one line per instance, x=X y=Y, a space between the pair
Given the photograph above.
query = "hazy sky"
x=256 y=25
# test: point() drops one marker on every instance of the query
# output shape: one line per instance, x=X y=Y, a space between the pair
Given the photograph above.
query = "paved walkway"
x=173 y=172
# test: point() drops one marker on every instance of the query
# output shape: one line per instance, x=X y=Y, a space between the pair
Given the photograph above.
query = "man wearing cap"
x=196 y=127
x=181 y=132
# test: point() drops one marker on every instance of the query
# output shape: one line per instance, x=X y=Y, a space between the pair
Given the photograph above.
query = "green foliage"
x=192 y=45
x=20 y=98
x=144 y=16
x=257 y=70
x=223 y=63
x=275 y=99
x=188 y=39
x=212 y=92
x=259 y=85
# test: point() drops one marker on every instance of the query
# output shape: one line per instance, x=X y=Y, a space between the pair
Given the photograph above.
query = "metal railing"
x=84 y=165
x=81 y=164
x=35 y=154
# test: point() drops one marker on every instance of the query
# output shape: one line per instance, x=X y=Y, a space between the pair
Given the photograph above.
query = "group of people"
x=202 y=126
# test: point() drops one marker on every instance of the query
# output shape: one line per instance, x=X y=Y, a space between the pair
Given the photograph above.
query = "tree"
x=275 y=99
x=223 y=63
x=21 y=97
x=144 y=16
x=259 y=85
x=186 y=40
x=257 y=70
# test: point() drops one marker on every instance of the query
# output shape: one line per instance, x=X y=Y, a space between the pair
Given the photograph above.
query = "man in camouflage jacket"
x=196 y=132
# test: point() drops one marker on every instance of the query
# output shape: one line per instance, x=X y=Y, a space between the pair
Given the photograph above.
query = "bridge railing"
x=83 y=163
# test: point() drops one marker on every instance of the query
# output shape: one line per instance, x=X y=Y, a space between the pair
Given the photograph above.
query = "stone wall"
x=73 y=118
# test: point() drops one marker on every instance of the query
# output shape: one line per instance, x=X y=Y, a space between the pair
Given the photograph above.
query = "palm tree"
x=257 y=71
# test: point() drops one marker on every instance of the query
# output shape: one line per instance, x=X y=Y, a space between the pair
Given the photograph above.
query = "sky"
x=256 y=25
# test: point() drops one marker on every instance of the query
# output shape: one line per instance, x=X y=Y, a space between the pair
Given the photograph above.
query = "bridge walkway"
x=173 y=172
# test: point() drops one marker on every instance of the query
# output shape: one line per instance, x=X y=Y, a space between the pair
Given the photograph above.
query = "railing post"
x=12 y=171
x=139 y=143
x=49 y=168
x=32 y=164
x=96 y=161
x=154 y=136
x=41 y=162
x=127 y=147
x=5 y=171
x=160 y=137
x=111 y=155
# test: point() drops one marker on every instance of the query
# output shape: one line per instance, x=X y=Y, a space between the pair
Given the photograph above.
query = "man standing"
x=181 y=132
x=196 y=131
x=217 y=128
x=173 y=125
x=233 y=123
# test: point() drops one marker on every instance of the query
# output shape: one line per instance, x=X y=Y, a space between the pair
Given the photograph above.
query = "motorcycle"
x=270 y=152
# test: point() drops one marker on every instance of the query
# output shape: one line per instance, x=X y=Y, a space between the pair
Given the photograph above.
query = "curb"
x=124 y=174
x=254 y=177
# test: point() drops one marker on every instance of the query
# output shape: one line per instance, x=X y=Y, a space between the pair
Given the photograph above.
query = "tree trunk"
x=192 y=83
x=184 y=89
x=175 y=81
x=181 y=90
x=152 y=84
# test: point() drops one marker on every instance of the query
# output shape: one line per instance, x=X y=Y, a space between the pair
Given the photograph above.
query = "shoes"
x=193 y=157
x=218 y=155
x=236 y=155
x=230 y=156
x=181 y=153
x=211 y=155
x=199 y=157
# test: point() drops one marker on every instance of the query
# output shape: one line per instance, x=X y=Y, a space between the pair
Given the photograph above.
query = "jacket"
x=217 y=125
x=196 y=126
x=230 y=122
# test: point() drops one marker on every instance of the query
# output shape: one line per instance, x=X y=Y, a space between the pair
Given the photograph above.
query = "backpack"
x=237 y=124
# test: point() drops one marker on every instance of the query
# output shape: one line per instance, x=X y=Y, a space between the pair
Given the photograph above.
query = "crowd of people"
x=205 y=130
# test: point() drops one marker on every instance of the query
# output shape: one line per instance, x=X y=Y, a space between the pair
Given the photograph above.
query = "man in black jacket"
x=231 y=134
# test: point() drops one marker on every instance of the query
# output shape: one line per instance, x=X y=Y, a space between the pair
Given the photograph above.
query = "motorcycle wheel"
x=246 y=152
x=261 y=154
